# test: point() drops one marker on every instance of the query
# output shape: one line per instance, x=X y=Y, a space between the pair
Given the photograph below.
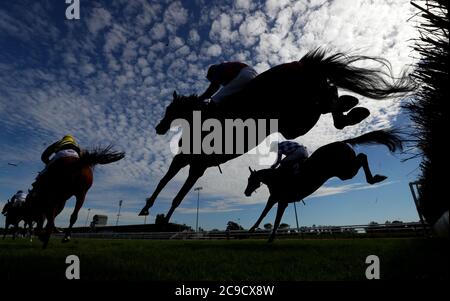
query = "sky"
x=108 y=76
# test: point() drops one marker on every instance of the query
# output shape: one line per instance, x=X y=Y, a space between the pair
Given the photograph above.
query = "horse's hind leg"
x=270 y=202
x=280 y=211
x=178 y=162
x=195 y=172
x=73 y=218
x=362 y=161
x=39 y=225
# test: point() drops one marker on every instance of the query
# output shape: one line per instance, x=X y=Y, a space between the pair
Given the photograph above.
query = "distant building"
x=99 y=220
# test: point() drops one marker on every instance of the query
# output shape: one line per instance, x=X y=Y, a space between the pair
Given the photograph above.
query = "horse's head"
x=6 y=207
x=253 y=182
x=181 y=107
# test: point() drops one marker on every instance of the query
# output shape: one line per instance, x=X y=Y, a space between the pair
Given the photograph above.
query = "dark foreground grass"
x=406 y=258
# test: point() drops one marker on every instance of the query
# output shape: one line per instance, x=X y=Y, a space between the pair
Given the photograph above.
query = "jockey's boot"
x=346 y=102
x=355 y=116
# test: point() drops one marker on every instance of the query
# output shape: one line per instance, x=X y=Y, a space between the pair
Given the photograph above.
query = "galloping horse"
x=295 y=94
x=68 y=177
x=14 y=213
x=337 y=159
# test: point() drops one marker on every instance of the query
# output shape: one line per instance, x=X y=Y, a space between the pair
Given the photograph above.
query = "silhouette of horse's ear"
x=175 y=95
x=251 y=171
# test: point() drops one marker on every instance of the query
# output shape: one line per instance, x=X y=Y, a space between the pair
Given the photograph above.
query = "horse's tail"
x=390 y=138
x=376 y=83
x=100 y=156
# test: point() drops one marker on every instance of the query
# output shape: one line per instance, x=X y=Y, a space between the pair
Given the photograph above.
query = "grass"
x=293 y=260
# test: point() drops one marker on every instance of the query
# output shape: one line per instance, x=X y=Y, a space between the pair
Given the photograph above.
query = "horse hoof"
x=378 y=179
x=144 y=212
x=66 y=239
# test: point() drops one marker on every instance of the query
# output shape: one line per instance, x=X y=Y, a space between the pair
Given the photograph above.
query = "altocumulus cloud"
x=108 y=77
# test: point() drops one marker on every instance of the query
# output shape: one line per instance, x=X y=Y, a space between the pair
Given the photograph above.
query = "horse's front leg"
x=29 y=225
x=281 y=207
x=73 y=218
x=178 y=162
x=45 y=236
x=270 y=202
x=15 y=230
x=6 y=228
x=195 y=172
x=362 y=161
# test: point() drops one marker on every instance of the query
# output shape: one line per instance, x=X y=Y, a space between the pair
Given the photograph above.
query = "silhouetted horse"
x=67 y=177
x=337 y=159
x=14 y=213
x=295 y=94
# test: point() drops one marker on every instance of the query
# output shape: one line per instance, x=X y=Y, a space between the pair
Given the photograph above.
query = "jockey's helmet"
x=68 y=139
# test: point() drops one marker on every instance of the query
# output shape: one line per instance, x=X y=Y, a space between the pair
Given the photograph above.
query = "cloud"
x=251 y=28
x=158 y=31
x=98 y=20
x=194 y=37
x=175 y=15
x=243 y=4
x=214 y=50
x=55 y=80
x=114 y=38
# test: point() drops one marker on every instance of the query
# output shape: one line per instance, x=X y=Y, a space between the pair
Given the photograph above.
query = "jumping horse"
x=337 y=159
x=295 y=94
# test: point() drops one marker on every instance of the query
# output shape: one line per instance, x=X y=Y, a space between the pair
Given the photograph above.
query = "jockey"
x=66 y=147
x=295 y=154
x=233 y=76
x=63 y=148
x=18 y=198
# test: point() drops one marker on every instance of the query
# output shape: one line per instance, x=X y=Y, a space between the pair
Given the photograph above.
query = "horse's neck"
x=266 y=176
x=228 y=123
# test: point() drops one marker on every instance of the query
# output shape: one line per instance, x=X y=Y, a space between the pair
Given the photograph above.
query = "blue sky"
x=107 y=78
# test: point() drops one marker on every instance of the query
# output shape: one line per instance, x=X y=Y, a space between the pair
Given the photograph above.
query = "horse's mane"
x=187 y=98
x=189 y=102
x=376 y=83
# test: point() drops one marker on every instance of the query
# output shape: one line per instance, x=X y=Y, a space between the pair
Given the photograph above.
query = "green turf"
x=400 y=258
